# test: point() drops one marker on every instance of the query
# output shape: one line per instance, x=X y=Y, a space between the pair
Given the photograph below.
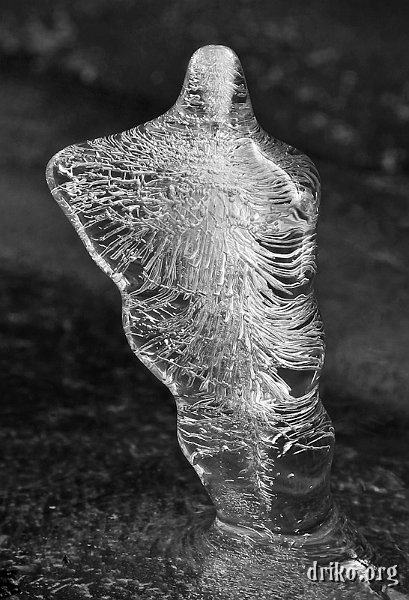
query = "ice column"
x=207 y=225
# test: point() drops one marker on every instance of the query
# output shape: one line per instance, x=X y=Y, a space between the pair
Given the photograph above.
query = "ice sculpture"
x=207 y=226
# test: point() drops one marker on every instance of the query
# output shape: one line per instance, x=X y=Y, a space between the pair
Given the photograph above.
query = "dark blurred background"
x=330 y=78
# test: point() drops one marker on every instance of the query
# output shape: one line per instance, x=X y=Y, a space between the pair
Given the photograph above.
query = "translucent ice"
x=207 y=225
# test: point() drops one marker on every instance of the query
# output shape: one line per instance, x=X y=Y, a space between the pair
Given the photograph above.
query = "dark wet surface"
x=92 y=476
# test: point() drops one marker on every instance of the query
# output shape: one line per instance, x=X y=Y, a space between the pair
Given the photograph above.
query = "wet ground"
x=91 y=474
x=92 y=477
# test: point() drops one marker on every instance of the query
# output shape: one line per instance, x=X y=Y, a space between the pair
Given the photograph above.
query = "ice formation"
x=207 y=226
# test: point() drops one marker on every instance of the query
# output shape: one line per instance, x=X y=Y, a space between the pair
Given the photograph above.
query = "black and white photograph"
x=204 y=323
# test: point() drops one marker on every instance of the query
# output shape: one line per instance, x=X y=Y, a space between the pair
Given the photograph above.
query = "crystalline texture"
x=207 y=226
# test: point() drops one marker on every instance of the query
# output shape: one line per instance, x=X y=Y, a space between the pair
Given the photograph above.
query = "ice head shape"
x=207 y=225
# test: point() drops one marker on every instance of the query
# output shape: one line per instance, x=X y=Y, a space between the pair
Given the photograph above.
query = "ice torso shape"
x=207 y=225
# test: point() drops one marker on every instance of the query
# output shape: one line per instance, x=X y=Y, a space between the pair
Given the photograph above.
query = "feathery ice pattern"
x=207 y=226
